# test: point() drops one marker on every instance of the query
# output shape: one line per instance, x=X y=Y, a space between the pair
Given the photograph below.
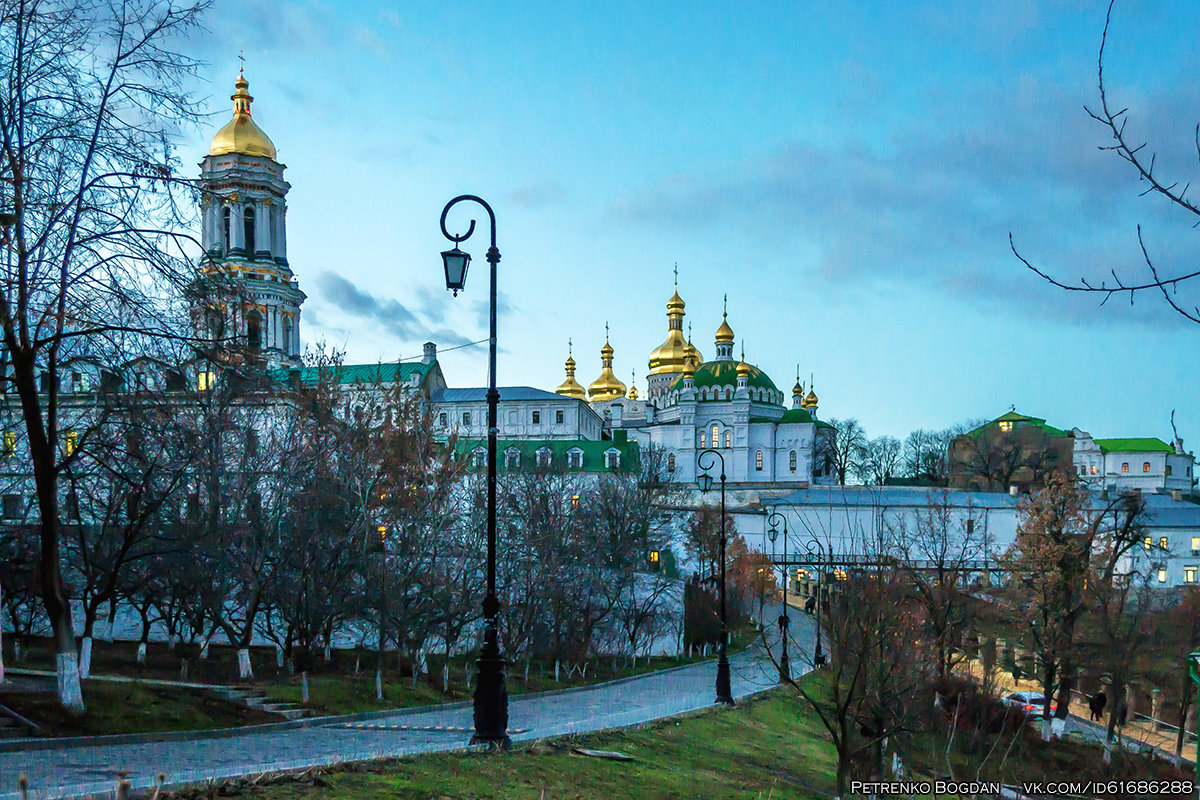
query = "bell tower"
x=244 y=235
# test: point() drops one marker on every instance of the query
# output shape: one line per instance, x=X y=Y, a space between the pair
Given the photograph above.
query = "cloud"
x=932 y=204
x=388 y=315
x=538 y=195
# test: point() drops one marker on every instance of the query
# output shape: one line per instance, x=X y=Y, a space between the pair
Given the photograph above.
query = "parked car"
x=1032 y=703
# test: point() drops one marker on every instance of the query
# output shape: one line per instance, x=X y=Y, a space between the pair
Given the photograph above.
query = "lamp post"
x=705 y=481
x=491 y=696
x=818 y=655
x=773 y=533
x=379 y=545
x=1193 y=660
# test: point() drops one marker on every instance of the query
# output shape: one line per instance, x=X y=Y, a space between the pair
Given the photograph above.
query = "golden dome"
x=725 y=333
x=693 y=353
x=743 y=369
x=676 y=302
x=798 y=389
x=810 y=401
x=669 y=356
x=633 y=392
x=241 y=134
x=608 y=386
x=571 y=387
x=689 y=368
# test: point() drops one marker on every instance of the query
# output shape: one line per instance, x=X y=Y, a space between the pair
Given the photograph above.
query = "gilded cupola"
x=571 y=387
x=724 y=337
x=633 y=392
x=669 y=356
x=608 y=386
x=810 y=400
x=241 y=134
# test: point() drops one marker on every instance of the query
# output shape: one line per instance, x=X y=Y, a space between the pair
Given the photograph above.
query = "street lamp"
x=1193 y=660
x=491 y=696
x=773 y=533
x=705 y=482
x=818 y=656
x=379 y=545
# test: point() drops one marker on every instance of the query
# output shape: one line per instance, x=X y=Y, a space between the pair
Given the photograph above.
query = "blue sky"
x=847 y=173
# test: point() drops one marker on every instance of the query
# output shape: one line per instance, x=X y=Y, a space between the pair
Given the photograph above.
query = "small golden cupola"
x=724 y=337
x=608 y=386
x=810 y=400
x=241 y=134
x=571 y=387
x=798 y=391
x=633 y=392
x=692 y=352
x=743 y=369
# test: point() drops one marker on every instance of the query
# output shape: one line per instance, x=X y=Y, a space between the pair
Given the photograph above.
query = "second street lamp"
x=818 y=656
x=491 y=696
x=773 y=533
x=704 y=481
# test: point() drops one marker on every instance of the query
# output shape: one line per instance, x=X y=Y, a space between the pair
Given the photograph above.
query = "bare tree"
x=845 y=450
x=91 y=95
x=881 y=459
x=1143 y=162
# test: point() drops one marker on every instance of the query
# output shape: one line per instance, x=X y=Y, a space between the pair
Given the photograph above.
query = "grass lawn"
x=131 y=708
x=770 y=747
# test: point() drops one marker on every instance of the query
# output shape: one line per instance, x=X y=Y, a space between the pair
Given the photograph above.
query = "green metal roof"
x=1029 y=422
x=1135 y=445
x=359 y=373
x=724 y=373
x=593 y=453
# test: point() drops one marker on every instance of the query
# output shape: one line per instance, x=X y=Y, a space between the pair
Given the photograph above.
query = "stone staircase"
x=255 y=699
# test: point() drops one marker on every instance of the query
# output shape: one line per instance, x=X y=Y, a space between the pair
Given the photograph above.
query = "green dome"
x=724 y=373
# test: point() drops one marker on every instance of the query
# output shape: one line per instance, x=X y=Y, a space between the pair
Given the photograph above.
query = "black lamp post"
x=705 y=482
x=491 y=696
x=773 y=533
x=818 y=656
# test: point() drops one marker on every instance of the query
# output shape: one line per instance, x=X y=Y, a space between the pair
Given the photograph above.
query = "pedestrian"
x=1096 y=705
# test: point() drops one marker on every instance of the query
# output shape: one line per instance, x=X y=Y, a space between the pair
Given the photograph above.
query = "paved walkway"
x=66 y=772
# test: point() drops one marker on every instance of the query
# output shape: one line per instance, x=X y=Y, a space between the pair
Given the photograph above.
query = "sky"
x=848 y=174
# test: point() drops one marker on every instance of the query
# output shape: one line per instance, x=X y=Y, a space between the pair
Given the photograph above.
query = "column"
x=237 y=229
x=280 y=239
x=265 y=229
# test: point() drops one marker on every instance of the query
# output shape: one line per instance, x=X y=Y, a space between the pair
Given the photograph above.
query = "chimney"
x=430 y=354
x=1177 y=495
x=1178 y=446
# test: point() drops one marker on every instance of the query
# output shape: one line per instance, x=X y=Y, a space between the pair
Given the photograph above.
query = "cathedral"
x=726 y=404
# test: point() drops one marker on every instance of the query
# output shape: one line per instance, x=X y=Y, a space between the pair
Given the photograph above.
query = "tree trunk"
x=245 y=670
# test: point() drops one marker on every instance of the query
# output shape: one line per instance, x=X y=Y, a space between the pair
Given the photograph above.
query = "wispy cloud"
x=387 y=314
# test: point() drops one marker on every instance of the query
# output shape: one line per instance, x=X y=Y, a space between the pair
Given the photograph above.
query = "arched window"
x=1145 y=466
x=728 y=393
x=512 y=458
x=716 y=434
x=758 y=459
x=1168 y=470
x=1125 y=466
x=286 y=343
x=792 y=461
x=480 y=458
x=225 y=241
x=254 y=330
x=670 y=462
x=543 y=457
x=248 y=221
x=728 y=439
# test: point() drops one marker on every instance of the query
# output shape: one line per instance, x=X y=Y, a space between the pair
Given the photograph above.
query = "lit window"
x=792 y=461
x=1163 y=544
x=1145 y=466
x=670 y=462
x=1093 y=469
x=1124 y=466
x=728 y=439
x=1196 y=545
x=1189 y=574
x=1006 y=426
x=205 y=381
x=537 y=418
x=72 y=442
x=1162 y=575
x=1148 y=543
x=559 y=417
x=758 y=459
x=702 y=442
x=716 y=436
x=10 y=444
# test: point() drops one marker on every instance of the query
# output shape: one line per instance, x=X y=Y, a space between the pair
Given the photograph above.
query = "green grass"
x=771 y=747
x=114 y=708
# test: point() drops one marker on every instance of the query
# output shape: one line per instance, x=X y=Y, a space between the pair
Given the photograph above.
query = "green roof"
x=724 y=373
x=593 y=453
x=358 y=373
x=1135 y=445
x=1028 y=422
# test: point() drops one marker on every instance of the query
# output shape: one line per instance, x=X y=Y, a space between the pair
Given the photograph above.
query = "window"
x=443 y=419
x=1162 y=575
x=537 y=418
x=575 y=459
x=193 y=506
x=1006 y=426
x=758 y=459
x=612 y=459
x=543 y=457
x=1125 y=466
x=728 y=439
x=1189 y=574
x=670 y=462
x=251 y=443
x=1093 y=469
x=12 y=506
x=480 y=458
x=1082 y=469
x=1148 y=543
x=72 y=505
x=1168 y=470
x=716 y=434
x=254 y=339
x=1145 y=466
x=254 y=507
x=792 y=461
x=71 y=442
x=248 y=225
x=225 y=219
x=702 y=442
x=512 y=458
x=1196 y=545
x=205 y=380
x=970 y=526
x=10 y=444
x=466 y=418
x=559 y=417
x=728 y=394
x=286 y=337
x=1163 y=544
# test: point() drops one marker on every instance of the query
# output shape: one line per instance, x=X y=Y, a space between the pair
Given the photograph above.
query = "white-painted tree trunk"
x=556 y=665
x=171 y=640
x=304 y=686
x=70 y=690
x=328 y=651
x=18 y=655
x=204 y=650
x=445 y=675
x=357 y=660
x=422 y=663
x=1058 y=726
x=141 y=656
x=1 y=637
x=378 y=685
x=183 y=670
x=85 y=657
x=278 y=658
x=245 y=671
